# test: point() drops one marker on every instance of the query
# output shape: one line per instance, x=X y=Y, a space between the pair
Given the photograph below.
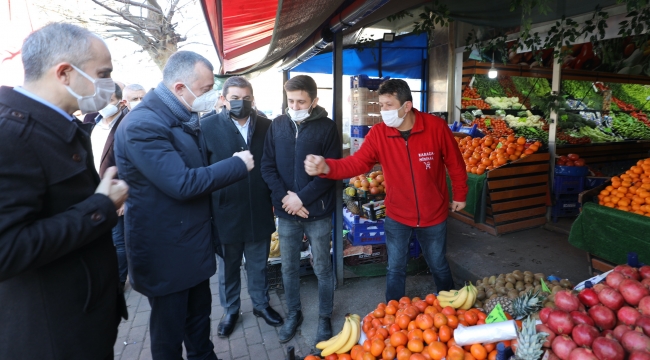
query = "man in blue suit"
x=168 y=225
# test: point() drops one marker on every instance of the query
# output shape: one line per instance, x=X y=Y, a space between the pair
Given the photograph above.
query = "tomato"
x=573 y=157
x=579 y=162
x=569 y=163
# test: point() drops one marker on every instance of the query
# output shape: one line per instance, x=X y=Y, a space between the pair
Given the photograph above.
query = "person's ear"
x=315 y=103
x=178 y=88
x=62 y=72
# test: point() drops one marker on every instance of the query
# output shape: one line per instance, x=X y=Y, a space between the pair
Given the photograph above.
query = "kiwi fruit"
x=510 y=278
x=529 y=279
x=500 y=283
x=539 y=276
x=486 y=281
x=522 y=293
x=502 y=291
x=492 y=280
x=501 y=276
x=495 y=296
x=518 y=275
x=551 y=297
x=478 y=283
x=528 y=273
x=478 y=304
x=513 y=294
x=565 y=283
x=520 y=285
x=528 y=287
x=538 y=288
x=556 y=288
x=555 y=283
x=489 y=292
x=509 y=286
x=481 y=295
x=480 y=288
x=549 y=304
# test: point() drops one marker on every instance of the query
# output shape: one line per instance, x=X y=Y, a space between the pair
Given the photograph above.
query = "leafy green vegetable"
x=630 y=128
x=487 y=87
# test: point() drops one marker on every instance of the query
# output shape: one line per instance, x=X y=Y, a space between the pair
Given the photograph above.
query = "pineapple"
x=520 y=307
x=350 y=203
x=529 y=341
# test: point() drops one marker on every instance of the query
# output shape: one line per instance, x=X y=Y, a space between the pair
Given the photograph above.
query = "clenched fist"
x=316 y=165
x=116 y=190
x=247 y=158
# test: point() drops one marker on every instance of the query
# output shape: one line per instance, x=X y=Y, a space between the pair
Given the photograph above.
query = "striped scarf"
x=190 y=119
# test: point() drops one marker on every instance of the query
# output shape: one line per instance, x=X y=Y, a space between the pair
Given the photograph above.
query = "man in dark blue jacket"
x=303 y=203
x=167 y=220
x=243 y=210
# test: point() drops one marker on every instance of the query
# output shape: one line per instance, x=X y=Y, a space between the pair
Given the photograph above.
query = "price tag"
x=488 y=122
x=499 y=146
x=496 y=315
x=544 y=287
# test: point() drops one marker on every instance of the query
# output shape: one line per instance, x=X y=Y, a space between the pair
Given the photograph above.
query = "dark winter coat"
x=108 y=154
x=167 y=219
x=59 y=287
x=285 y=149
x=242 y=211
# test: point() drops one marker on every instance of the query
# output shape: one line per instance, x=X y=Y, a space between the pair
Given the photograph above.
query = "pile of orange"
x=488 y=153
x=629 y=191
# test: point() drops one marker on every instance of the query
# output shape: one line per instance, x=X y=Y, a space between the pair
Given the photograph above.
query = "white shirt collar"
x=248 y=121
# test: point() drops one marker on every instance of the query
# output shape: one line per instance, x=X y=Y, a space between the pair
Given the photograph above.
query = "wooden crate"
x=517 y=196
x=598 y=266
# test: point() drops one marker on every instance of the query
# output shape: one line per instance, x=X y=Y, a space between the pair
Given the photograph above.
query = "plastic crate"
x=359 y=131
x=378 y=255
x=364 y=95
x=365 y=120
x=593 y=182
x=367 y=237
x=568 y=184
x=363 y=231
x=274 y=276
x=364 y=108
x=571 y=170
x=565 y=206
x=364 y=81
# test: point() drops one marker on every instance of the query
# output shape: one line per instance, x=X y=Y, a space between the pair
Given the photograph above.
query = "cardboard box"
x=374 y=210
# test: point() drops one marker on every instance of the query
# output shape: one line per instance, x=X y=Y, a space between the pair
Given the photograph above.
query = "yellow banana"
x=356 y=316
x=456 y=302
x=471 y=298
x=324 y=344
x=355 y=332
x=449 y=297
x=342 y=339
x=444 y=293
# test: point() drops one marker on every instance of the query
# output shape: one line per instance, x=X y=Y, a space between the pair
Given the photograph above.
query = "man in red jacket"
x=414 y=149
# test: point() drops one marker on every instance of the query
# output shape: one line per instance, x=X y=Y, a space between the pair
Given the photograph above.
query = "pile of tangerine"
x=488 y=153
x=629 y=191
x=419 y=329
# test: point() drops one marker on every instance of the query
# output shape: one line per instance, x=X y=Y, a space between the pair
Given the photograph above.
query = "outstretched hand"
x=316 y=165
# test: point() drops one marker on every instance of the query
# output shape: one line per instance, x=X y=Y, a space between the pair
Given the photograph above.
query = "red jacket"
x=414 y=170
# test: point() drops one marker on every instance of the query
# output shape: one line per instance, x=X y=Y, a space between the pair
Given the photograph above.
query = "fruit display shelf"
x=516 y=197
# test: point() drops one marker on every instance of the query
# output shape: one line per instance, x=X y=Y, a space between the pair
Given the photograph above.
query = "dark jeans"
x=433 y=242
x=319 y=233
x=257 y=254
x=182 y=317
x=120 y=248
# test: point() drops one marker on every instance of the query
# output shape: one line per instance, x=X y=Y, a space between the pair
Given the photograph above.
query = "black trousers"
x=182 y=317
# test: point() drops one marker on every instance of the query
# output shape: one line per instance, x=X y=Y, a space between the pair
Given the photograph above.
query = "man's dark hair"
x=398 y=88
x=236 y=81
x=118 y=92
x=304 y=83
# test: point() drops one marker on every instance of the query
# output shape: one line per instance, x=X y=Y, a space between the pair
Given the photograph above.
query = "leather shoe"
x=324 y=331
x=288 y=330
x=227 y=325
x=270 y=316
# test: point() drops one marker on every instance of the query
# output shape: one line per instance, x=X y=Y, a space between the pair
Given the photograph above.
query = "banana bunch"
x=459 y=299
x=345 y=340
x=275 y=245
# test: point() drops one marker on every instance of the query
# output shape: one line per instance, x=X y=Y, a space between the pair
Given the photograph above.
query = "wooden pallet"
x=517 y=197
x=598 y=266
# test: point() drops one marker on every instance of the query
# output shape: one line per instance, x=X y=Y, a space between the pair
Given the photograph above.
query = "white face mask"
x=299 y=115
x=203 y=103
x=391 y=117
x=108 y=111
x=134 y=104
x=104 y=89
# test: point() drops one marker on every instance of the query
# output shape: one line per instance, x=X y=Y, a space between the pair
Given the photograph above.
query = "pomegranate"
x=644 y=271
x=562 y=346
x=646 y=282
x=639 y=355
x=588 y=297
x=582 y=354
x=581 y=318
x=606 y=333
x=614 y=279
x=549 y=338
x=628 y=271
x=644 y=323
x=600 y=287
x=560 y=322
x=543 y=314
x=635 y=340
x=611 y=298
x=620 y=330
x=551 y=355
x=565 y=300
x=644 y=305
x=608 y=349
x=603 y=317
x=628 y=315
x=584 y=335
x=632 y=291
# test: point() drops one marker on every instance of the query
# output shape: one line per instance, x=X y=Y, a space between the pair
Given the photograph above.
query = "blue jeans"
x=433 y=241
x=319 y=233
x=120 y=248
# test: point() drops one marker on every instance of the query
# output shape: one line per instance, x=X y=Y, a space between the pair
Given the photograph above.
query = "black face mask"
x=240 y=109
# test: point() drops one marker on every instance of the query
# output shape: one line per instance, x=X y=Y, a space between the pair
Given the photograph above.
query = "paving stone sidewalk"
x=252 y=338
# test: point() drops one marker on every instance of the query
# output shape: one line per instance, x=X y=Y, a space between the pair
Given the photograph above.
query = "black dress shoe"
x=270 y=316
x=288 y=330
x=324 y=330
x=227 y=325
